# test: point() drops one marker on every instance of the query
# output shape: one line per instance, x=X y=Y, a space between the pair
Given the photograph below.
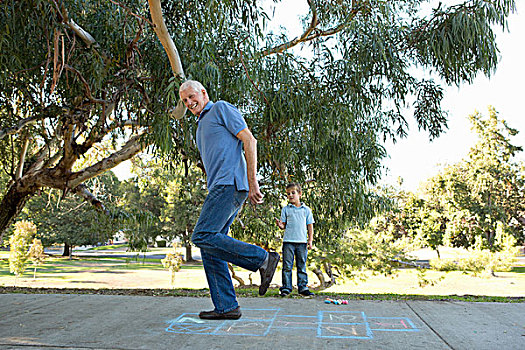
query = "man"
x=222 y=134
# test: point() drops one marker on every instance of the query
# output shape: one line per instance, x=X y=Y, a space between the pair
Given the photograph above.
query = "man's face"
x=194 y=100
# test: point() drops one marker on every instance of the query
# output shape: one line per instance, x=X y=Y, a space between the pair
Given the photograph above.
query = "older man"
x=222 y=134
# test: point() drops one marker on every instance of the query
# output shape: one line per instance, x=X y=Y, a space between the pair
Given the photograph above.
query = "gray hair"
x=194 y=84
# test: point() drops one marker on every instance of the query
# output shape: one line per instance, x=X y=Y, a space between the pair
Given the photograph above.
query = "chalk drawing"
x=261 y=322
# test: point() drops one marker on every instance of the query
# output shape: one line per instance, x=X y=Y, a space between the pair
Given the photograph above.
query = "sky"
x=415 y=158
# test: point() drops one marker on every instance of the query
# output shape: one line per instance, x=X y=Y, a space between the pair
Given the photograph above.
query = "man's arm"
x=250 y=152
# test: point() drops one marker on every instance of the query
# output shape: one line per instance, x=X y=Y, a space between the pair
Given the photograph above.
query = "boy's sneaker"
x=284 y=293
x=306 y=293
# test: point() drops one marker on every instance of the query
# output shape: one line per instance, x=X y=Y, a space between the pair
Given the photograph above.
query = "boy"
x=297 y=221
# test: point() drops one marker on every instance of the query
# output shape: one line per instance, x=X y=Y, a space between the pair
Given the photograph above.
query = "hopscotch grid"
x=368 y=329
x=412 y=328
x=369 y=334
x=272 y=321
x=204 y=327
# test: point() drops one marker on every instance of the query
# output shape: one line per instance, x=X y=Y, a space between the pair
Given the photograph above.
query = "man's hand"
x=281 y=224
x=310 y=245
x=254 y=195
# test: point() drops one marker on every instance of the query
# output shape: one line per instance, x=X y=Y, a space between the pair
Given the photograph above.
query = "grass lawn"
x=125 y=273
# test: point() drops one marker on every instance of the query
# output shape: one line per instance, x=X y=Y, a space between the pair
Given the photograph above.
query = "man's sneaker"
x=306 y=293
x=234 y=314
x=284 y=293
x=267 y=273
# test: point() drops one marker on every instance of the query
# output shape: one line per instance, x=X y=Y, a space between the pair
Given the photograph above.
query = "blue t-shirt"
x=296 y=219
x=221 y=151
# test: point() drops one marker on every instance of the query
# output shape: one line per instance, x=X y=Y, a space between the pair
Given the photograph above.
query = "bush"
x=444 y=265
x=19 y=246
x=481 y=260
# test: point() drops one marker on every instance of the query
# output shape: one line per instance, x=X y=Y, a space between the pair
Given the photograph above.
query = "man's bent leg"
x=219 y=209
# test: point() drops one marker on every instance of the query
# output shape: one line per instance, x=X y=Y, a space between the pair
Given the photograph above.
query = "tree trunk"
x=67 y=248
x=330 y=273
x=189 y=256
x=320 y=276
x=235 y=277
x=11 y=205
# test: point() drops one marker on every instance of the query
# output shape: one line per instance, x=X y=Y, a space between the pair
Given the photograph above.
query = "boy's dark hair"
x=296 y=185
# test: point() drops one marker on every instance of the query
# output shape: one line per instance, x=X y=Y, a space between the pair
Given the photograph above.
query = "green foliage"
x=471 y=202
x=481 y=260
x=431 y=230
x=19 y=246
x=140 y=209
x=172 y=262
x=183 y=191
x=165 y=199
x=68 y=219
x=361 y=250
x=320 y=116
x=36 y=254
x=484 y=190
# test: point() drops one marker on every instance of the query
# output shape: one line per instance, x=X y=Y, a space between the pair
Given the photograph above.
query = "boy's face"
x=294 y=196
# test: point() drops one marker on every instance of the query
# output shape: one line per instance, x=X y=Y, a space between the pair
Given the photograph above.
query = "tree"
x=65 y=89
x=170 y=194
x=320 y=116
x=324 y=116
x=485 y=190
x=141 y=206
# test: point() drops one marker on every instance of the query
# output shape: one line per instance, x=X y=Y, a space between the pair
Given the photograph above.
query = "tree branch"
x=171 y=50
x=82 y=191
x=128 y=151
x=41 y=155
x=85 y=83
x=312 y=32
x=81 y=33
x=21 y=124
x=21 y=161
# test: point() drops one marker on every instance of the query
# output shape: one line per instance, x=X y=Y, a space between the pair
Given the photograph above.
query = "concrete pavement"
x=68 y=321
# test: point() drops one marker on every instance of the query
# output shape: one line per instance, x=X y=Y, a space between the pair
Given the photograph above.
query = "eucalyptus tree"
x=74 y=72
x=73 y=75
x=321 y=117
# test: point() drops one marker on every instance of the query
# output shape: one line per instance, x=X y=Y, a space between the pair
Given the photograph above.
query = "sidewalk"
x=52 y=321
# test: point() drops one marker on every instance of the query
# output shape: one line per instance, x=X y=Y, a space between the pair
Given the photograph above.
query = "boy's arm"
x=310 y=228
x=281 y=224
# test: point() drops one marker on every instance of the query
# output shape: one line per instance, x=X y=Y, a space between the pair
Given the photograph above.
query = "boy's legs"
x=217 y=248
x=301 y=253
x=288 y=257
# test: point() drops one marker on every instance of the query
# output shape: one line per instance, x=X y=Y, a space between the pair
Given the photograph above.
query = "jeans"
x=300 y=251
x=218 y=249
